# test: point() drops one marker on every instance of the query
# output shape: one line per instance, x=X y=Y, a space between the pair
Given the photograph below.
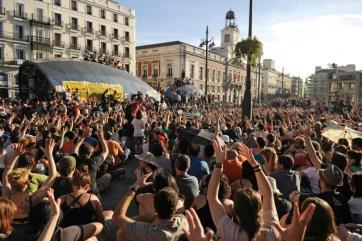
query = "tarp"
x=57 y=71
x=184 y=90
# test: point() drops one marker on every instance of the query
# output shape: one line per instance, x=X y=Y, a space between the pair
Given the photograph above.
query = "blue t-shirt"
x=198 y=168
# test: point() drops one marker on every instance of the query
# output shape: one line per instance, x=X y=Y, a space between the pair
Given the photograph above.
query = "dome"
x=230 y=14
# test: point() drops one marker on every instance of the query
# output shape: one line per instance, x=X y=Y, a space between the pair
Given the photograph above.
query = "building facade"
x=274 y=82
x=37 y=29
x=319 y=85
x=161 y=64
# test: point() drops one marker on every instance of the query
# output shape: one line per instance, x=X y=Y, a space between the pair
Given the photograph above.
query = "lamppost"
x=247 y=105
x=209 y=43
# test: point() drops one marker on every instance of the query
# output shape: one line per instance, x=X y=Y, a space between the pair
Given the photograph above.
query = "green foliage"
x=252 y=47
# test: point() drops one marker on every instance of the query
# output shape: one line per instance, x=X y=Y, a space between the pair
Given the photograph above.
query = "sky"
x=297 y=34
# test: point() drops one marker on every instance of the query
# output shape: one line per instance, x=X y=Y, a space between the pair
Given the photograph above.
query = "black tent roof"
x=57 y=71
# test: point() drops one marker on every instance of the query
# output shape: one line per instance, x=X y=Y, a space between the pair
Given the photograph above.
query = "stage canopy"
x=39 y=78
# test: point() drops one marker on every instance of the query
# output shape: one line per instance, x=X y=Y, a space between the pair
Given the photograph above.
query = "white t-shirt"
x=313 y=176
x=139 y=127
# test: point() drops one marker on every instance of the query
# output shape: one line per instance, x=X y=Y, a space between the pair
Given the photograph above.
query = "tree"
x=249 y=46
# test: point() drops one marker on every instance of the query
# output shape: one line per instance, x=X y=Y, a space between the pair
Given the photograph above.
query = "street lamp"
x=247 y=105
x=209 y=43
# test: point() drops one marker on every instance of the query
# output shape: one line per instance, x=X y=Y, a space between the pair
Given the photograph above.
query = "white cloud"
x=302 y=44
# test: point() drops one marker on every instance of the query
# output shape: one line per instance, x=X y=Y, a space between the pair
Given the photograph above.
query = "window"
x=213 y=75
x=2 y=54
x=39 y=14
x=57 y=39
x=126 y=52
x=89 y=10
x=227 y=38
x=126 y=36
x=89 y=27
x=57 y=19
x=155 y=71
x=20 y=53
x=74 y=42
x=127 y=67
x=74 y=23
x=115 y=33
x=20 y=10
x=115 y=49
x=38 y=55
x=201 y=74
x=39 y=33
x=218 y=76
x=115 y=18
x=103 y=30
x=126 y=21
x=74 y=5
x=103 y=13
x=90 y=45
x=169 y=70
x=192 y=71
x=58 y=2
x=103 y=47
x=19 y=32
x=144 y=75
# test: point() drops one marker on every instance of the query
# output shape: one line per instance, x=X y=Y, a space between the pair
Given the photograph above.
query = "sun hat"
x=147 y=157
x=332 y=175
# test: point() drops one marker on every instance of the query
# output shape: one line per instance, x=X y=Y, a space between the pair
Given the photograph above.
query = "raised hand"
x=296 y=230
x=196 y=231
x=49 y=146
x=220 y=153
x=18 y=149
x=247 y=152
x=54 y=204
x=142 y=181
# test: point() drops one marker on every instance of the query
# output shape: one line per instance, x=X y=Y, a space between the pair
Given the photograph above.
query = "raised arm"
x=216 y=207
x=6 y=187
x=263 y=183
x=316 y=162
x=103 y=143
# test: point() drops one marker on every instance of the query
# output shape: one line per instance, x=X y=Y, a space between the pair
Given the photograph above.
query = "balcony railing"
x=58 y=44
x=155 y=76
x=89 y=30
x=2 y=11
x=41 y=40
x=115 y=53
x=169 y=74
x=39 y=19
x=14 y=36
x=12 y=62
x=58 y=23
x=90 y=49
x=126 y=55
x=74 y=27
x=74 y=46
x=103 y=51
x=115 y=36
x=126 y=39
x=22 y=15
x=103 y=33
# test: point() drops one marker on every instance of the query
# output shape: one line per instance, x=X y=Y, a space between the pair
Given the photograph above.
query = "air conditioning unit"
x=19 y=61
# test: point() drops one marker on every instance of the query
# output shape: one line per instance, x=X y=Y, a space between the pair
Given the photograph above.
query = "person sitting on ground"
x=27 y=161
x=170 y=226
x=163 y=162
x=146 y=200
x=287 y=180
x=81 y=208
x=88 y=156
x=16 y=185
x=63 y=183
x=188 y=185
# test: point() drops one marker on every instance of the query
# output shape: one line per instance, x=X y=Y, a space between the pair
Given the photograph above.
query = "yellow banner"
x=96 y=90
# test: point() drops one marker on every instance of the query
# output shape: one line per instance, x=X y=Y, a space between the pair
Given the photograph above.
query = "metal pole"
x=283 y=81
x=247 y=105
x=206 y=64
x=259 y=83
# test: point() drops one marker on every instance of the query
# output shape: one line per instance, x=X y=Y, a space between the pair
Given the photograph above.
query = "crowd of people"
x=275 y=177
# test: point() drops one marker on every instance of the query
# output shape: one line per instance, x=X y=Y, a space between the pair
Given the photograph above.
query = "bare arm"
x=216 y=207
x=103 y=144
x=310 y=149
x=263 y=183
x=6 y=187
